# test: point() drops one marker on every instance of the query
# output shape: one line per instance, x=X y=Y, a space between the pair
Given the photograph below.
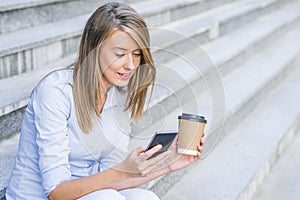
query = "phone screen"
x=165 y=138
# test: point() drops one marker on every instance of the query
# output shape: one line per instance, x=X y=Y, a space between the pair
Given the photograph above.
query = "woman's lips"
x=124 y=76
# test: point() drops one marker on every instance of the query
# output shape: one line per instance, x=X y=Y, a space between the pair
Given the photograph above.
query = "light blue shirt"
x=52 y=147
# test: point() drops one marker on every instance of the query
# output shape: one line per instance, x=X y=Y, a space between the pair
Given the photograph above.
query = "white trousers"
x=128 y=194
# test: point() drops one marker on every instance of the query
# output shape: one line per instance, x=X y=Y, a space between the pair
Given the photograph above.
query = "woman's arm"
x=133 y=182
x=77 y=188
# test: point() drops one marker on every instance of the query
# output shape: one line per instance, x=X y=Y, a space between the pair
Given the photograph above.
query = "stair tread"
x=149 y=7
x=6 y=5
x=22 y=39
x=227 y=170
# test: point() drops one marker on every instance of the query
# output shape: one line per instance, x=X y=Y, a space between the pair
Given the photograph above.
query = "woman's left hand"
x=179 y=161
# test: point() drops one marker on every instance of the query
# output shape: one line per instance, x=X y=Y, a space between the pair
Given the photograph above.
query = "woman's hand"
x=179 y=161
x=136 y=164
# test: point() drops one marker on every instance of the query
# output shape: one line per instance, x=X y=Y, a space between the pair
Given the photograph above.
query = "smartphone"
x=165 y=138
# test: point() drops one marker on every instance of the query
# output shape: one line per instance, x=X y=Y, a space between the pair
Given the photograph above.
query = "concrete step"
x=25 y=50
x=283 y=182
x=239 y=162
x=39 y=12
x=8 y=150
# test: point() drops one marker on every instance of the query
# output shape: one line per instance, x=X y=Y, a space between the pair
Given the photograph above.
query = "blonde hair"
x=87 y=72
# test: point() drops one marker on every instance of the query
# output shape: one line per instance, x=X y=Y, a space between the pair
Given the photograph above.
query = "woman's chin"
x=121 y=83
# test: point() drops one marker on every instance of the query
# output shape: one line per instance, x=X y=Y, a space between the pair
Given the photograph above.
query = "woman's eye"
x=119 y=54
x=137 y=54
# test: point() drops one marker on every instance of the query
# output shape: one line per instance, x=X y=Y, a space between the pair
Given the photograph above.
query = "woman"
x=75 y=132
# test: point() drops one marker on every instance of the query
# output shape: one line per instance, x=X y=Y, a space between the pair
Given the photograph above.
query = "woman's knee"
x=103 y=194
x=137 y=194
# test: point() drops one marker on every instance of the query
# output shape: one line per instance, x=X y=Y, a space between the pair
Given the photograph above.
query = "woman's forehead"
x=121 y=40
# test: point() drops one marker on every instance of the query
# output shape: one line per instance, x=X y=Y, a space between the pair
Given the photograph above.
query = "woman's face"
x=120 y=56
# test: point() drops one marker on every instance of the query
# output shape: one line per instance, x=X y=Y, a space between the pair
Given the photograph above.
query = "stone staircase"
x=236 y=62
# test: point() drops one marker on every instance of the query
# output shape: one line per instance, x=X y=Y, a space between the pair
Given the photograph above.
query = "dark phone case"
x=165 y=138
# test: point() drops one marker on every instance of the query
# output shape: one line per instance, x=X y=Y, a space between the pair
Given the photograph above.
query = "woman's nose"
x=129 y=62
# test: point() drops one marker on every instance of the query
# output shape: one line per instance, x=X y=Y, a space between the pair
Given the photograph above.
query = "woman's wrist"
x=123 y=171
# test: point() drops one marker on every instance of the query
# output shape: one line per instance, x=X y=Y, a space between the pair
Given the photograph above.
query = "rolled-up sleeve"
x=51 y=106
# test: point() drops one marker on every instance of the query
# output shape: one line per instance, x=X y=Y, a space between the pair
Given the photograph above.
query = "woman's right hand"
x=136 y=164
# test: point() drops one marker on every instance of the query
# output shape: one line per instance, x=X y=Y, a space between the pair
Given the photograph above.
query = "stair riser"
x=37 y=57
x=172 y=51
x=13 y=20
x=164 y=17
x=10 y=124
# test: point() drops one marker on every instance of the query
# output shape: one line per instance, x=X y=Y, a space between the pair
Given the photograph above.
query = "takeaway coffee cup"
x=191 y=129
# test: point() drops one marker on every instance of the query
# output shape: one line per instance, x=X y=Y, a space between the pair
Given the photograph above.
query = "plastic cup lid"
x=193 y=117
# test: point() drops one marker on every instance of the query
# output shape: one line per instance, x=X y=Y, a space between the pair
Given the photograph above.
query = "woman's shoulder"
x=57 y=84
x=57 y=79
x=61 y=76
